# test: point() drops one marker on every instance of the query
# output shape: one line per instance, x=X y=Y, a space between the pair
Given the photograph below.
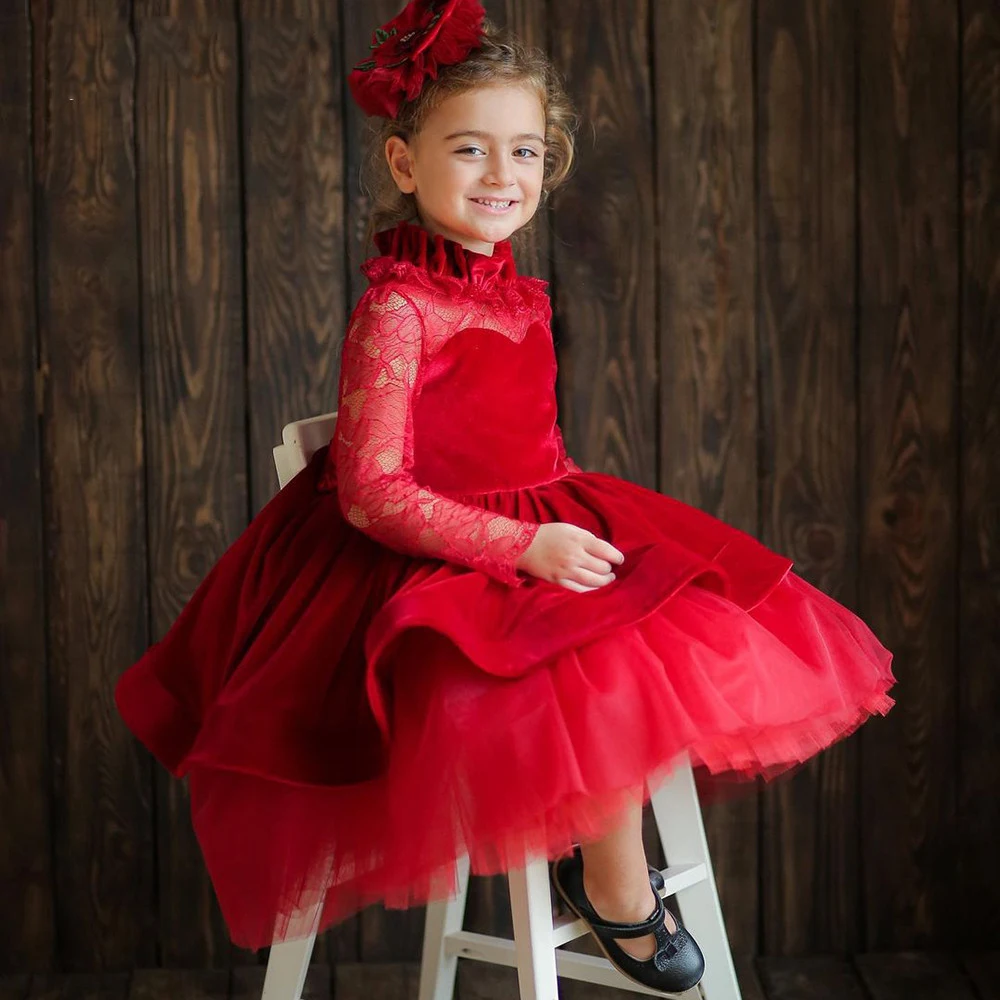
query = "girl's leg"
x=616 y=879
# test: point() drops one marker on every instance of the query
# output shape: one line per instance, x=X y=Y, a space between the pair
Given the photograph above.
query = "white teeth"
x=493 y=204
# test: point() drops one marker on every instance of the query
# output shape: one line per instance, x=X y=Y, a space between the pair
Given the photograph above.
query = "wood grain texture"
x=708 y=409
x=927 y=975
x=27 y=925
x=482 y=981
x=908 y=462
x=604 y=246
x=173 y=984
x=293 y=153
x=822 y=977
x=94 y=497
x=805 y=91
x=979 y=516
x=195 y=405
x=81 y=986
x=377 y=980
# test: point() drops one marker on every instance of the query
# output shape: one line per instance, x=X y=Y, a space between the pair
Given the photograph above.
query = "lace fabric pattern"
x=386 y=341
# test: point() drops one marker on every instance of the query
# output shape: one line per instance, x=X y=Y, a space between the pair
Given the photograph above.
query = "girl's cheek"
x=532 y=179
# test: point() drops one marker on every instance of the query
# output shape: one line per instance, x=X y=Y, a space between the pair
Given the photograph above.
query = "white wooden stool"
x=537 y=937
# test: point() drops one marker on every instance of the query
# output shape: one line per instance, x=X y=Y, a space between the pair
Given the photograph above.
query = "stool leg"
x=287 y=966
x=444 y=917
x=677 y=812
x=531 y=909
x=288 y=961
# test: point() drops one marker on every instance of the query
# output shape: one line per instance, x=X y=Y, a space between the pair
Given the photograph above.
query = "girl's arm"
x=373 y=450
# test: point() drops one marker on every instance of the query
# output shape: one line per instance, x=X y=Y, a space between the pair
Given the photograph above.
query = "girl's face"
x=476 y=166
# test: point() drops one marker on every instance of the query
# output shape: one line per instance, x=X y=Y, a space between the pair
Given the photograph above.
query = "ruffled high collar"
x=443 y=258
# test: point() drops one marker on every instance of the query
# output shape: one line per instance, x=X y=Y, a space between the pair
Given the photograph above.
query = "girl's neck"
x=486 y=249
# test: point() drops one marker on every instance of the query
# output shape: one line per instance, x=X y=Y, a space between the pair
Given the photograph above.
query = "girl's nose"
x=500 y=171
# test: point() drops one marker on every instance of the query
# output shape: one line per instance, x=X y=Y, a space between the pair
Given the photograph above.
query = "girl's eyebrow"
x=486 y=135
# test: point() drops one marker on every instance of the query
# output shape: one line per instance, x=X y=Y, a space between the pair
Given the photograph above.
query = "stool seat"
x=534 y=948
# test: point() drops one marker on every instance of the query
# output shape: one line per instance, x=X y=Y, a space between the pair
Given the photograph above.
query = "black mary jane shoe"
x=677 y=964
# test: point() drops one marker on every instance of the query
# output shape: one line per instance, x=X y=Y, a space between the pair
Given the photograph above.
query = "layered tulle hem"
x=268 y=892
x=504 y=770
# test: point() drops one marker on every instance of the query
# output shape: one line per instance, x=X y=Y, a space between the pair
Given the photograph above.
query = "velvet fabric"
x=353 y=717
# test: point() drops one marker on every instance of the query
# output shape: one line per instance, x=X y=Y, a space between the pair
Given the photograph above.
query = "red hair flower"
x=409 y=49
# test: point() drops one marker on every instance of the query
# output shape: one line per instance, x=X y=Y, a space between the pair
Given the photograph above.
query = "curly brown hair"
x=502 y=58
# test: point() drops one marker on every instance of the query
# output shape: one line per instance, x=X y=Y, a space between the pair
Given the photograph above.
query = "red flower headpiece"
x=409 y=49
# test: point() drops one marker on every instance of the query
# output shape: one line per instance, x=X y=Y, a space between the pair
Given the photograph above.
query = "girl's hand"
x=570 y=556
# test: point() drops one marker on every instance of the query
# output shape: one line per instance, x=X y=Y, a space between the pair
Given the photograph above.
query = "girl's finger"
x=605 y=550
x=600 y=566
x=589 y=579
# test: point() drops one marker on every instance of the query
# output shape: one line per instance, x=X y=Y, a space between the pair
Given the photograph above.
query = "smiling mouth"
x=496 y=203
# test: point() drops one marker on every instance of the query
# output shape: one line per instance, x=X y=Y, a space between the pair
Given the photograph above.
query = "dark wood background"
x=777 y=297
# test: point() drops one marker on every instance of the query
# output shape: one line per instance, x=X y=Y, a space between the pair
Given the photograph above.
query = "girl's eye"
x=522 y=153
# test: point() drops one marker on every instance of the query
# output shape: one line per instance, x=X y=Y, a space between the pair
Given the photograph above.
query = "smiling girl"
x=444 y=637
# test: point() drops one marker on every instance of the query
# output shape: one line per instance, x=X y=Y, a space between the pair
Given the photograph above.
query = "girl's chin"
x=493 y=230
x=480 y=229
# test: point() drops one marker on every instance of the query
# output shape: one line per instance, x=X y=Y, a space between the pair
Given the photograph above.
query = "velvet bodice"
x=484 y=406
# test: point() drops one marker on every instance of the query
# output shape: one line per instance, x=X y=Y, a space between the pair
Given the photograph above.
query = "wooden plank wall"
x=777 y=297
x=806 y=149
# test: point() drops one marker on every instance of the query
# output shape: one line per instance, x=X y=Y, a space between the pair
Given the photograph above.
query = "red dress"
x=364 y=687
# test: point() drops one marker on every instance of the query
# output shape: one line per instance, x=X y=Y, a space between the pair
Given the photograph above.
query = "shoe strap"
x=623 y=930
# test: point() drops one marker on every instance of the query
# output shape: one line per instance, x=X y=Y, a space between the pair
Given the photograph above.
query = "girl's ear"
x=397 y=155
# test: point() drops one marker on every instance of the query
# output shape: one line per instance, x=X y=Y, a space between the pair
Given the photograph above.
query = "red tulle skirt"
x=351 y=719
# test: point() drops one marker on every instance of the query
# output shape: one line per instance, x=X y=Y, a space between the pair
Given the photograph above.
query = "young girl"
x=443 y=636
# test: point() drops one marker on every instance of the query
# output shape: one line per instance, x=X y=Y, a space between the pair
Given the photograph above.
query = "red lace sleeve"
x=373 y=450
